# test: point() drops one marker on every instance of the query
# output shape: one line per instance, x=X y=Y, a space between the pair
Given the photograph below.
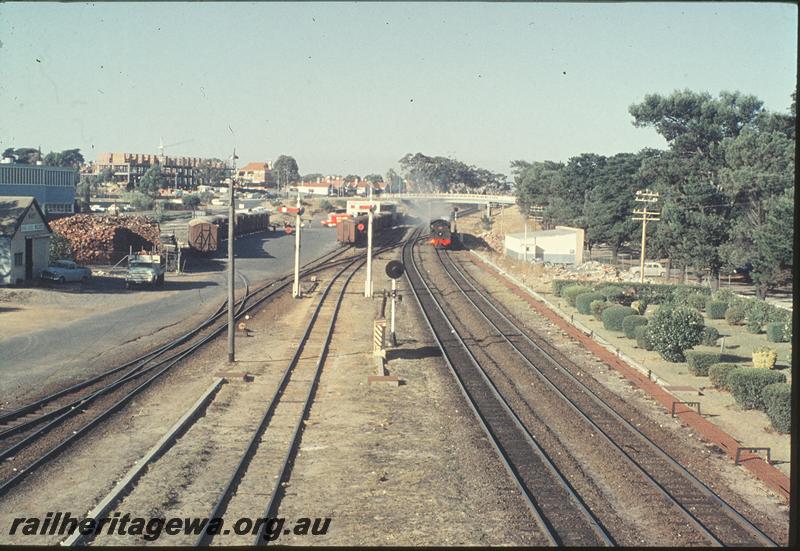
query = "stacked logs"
x=107 y=239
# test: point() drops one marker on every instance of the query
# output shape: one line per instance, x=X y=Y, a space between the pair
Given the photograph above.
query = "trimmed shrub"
x=584 y=300
x=696 y=301
x=718 y=373
x=630 y=323
x=597 y=307
x=764 y=357
x=675 y=329
x=725 y=295
x=734 y=314
x=613 y=293
x=699 y=362
x=682 y=294
x=572 y=291
x=560 y=284
x=746 y=384
x=710 y=335
x=613 y=316
x=716 y=309
x=777 y=332
x=777 y=399
x=753 y=327
x=761 y=312
x=642 y=337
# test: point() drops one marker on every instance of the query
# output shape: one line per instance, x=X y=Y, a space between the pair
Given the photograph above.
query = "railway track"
x=557 y=510
x=714 y=521
x=268 y=457
x=62 y=415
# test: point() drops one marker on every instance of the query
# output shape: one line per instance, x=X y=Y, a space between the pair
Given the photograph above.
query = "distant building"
x=24 y=240
x=562 y=245
x=180 y=172
x=336 y=185
x=52 y=186
x=256 y=173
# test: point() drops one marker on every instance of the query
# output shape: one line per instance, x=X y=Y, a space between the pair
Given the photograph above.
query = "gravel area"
x=398 y=465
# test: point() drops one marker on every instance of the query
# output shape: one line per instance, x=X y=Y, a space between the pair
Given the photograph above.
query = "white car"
x=66 y=270
x=651 y=269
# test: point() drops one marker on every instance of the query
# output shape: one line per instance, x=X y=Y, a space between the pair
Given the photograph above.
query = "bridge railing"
x=454 y=197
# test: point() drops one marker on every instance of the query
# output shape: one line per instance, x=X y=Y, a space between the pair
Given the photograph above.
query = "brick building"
x=181 y=172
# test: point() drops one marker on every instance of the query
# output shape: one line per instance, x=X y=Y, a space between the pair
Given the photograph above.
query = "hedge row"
x=777 y=399
x=583 y=302
x=716 y=309
x=630 y=323
x=613 y=317
x=710 y=335
x=643 y=338
x=718 y=374
x=779 y=331
x=571 y=292
x=651 y=293
x=699 y=362
x=746 y=384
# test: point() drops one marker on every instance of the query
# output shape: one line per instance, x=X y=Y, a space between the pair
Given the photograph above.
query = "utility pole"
x=525 y=250
x=231 y=267
x=297 y=222
x=645 y=215
x=368 y=282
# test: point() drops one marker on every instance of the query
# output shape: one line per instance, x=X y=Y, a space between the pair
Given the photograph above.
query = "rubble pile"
x=107 y=239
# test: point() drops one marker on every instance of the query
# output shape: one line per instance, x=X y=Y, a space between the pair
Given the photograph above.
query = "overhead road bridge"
x=460 y=198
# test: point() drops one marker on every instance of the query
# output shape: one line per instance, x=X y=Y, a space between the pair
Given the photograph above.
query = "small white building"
x=24 y=240
x=562 y=245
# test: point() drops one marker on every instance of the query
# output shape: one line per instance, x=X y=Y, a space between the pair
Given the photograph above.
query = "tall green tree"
x=286 y=171
x=152 y=181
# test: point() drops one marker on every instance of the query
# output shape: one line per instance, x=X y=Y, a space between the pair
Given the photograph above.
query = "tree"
x=393 y=181
x=772 y=251
x=24 y=155
x=151 y=181
x=69 y=158
x=610 y=203
x=191 y=201
x=313 y=177
x=441 y=174
x=286 y=170
x=374 y=178
x=538 y=184
x=209 y=172
x=692 y=122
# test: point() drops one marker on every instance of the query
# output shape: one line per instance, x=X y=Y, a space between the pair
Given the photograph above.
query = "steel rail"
x=138 y=469
x=142 y=360
x=734 y=515
x=13 y=481
x=539 y=515
x=161 y=368
x=221 y=504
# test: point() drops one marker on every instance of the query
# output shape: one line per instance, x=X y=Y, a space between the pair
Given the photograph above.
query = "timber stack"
x=107 y=239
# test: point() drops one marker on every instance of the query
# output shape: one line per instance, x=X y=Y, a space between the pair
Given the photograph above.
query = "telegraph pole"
x=368 y=282
x=231 y=267
x=645 y=215
x=525 y=250
x=297 y=222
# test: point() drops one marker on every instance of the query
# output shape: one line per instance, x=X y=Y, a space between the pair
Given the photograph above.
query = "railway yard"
x=485 y=424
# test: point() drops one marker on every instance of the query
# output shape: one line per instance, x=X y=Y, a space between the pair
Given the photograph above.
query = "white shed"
x=24 y=240
x=562 y=245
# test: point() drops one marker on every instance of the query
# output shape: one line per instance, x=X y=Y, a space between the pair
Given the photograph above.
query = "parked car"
x=62 y=271
x=97 y=208
x=651 y=269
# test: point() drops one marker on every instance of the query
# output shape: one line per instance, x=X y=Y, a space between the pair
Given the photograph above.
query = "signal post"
x=297 y=211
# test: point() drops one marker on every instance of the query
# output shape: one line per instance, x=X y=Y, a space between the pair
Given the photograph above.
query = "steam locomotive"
x=441 y=236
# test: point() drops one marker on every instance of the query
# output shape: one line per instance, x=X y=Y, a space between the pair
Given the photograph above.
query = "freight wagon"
x=206 y=233
x=353 y=231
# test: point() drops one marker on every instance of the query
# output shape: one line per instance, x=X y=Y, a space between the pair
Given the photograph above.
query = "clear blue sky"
x=351 y=88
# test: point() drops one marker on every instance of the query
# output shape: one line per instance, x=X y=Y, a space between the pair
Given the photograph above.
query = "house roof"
x=542 y=233
x=254 y=166
x=13 y=210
